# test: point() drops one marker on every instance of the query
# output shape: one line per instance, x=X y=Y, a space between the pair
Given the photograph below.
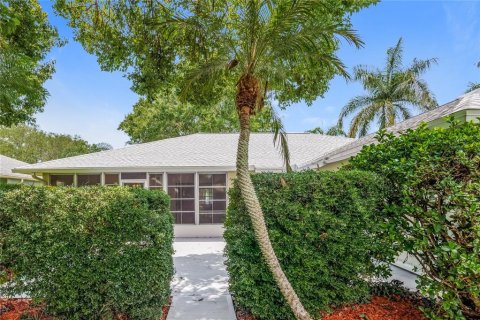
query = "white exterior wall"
x=198 y=230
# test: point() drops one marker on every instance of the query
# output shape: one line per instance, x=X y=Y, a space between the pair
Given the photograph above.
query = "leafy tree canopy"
x=29 y=144
x=206 y=46
x=166 y=117
x=26 y=37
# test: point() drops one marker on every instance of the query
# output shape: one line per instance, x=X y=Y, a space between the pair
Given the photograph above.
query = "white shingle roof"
x=201 y=150
x=469 y=101
x=6 y=166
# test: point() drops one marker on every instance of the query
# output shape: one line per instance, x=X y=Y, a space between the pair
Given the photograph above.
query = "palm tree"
x=264 y=49
x=392 y=92
x=332 y=131
x=473 y=85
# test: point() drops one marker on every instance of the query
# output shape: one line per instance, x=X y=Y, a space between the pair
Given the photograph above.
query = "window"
x=134 y=175
x=88 y=180
x=111 y=179
x=181 y=189
x=60 y=180
x=155 y=181
x=212 y=198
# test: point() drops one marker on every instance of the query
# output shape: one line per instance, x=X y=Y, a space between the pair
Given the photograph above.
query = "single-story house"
x=196 y=170
x=7 y=164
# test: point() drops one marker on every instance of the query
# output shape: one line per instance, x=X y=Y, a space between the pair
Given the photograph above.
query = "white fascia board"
x=13 y=176
x=127 y=169
x=318 y=163
x=274 y=170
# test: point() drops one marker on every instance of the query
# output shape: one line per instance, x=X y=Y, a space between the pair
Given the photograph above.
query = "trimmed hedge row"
x=89 y=253
x=327 y=231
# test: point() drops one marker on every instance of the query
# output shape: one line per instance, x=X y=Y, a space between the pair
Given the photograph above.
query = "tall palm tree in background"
x=392 y=92
x=473 y=85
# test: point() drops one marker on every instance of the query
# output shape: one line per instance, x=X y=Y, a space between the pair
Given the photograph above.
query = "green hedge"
x=326 y=230
x=89 y=253
x=435 y=208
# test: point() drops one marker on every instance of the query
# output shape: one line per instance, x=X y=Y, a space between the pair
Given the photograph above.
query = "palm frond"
x=204 y=74
x=361 y=123
x=352 y=106
x=317 y=130
x=420 y=66
x=371 y=78
x=336 y=131
x=472 y=86
x=415 y=91
x=284 y=37
x=402 y=112
x=390 y=115
x=394 y=58
x=280 y=138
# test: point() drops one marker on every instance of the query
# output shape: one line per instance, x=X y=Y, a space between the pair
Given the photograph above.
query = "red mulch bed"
x=379 y=308
x=14 y=309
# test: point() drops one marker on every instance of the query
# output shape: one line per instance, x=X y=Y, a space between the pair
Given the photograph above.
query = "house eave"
x=16 y=177
x=176 y=169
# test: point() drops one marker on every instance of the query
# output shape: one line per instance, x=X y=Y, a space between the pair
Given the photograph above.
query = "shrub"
x=90 y=253
x=435 y=208
x=4 y=224
x=326 y=230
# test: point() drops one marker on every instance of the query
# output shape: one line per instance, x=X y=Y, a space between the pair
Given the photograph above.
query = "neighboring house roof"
x=204 y=151
x=6 y=166
x=468 y=101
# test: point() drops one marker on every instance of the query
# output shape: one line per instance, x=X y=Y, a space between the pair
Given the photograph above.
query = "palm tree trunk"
x=250 y=198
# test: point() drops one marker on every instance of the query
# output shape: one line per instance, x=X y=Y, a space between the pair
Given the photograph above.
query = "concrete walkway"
x=200 y=284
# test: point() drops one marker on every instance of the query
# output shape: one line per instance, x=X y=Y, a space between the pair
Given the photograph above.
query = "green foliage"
x=167 y=117
x=89 y=253
x=29 y=144
x=434 y=204
x=26 y=37
x=473 y=85
x=392 y=92
x=393 y=290
x=205 y=47
x=326 y=229
x=332 y=131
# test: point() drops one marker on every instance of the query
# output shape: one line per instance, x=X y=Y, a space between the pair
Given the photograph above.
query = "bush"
x=90 y=253
x=435 y=208
x=4 y=224
x=326 y=230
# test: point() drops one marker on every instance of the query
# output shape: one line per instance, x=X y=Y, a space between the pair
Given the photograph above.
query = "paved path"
x=200 y=284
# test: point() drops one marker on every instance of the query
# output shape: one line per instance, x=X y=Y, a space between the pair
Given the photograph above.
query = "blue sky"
x=91 y=103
